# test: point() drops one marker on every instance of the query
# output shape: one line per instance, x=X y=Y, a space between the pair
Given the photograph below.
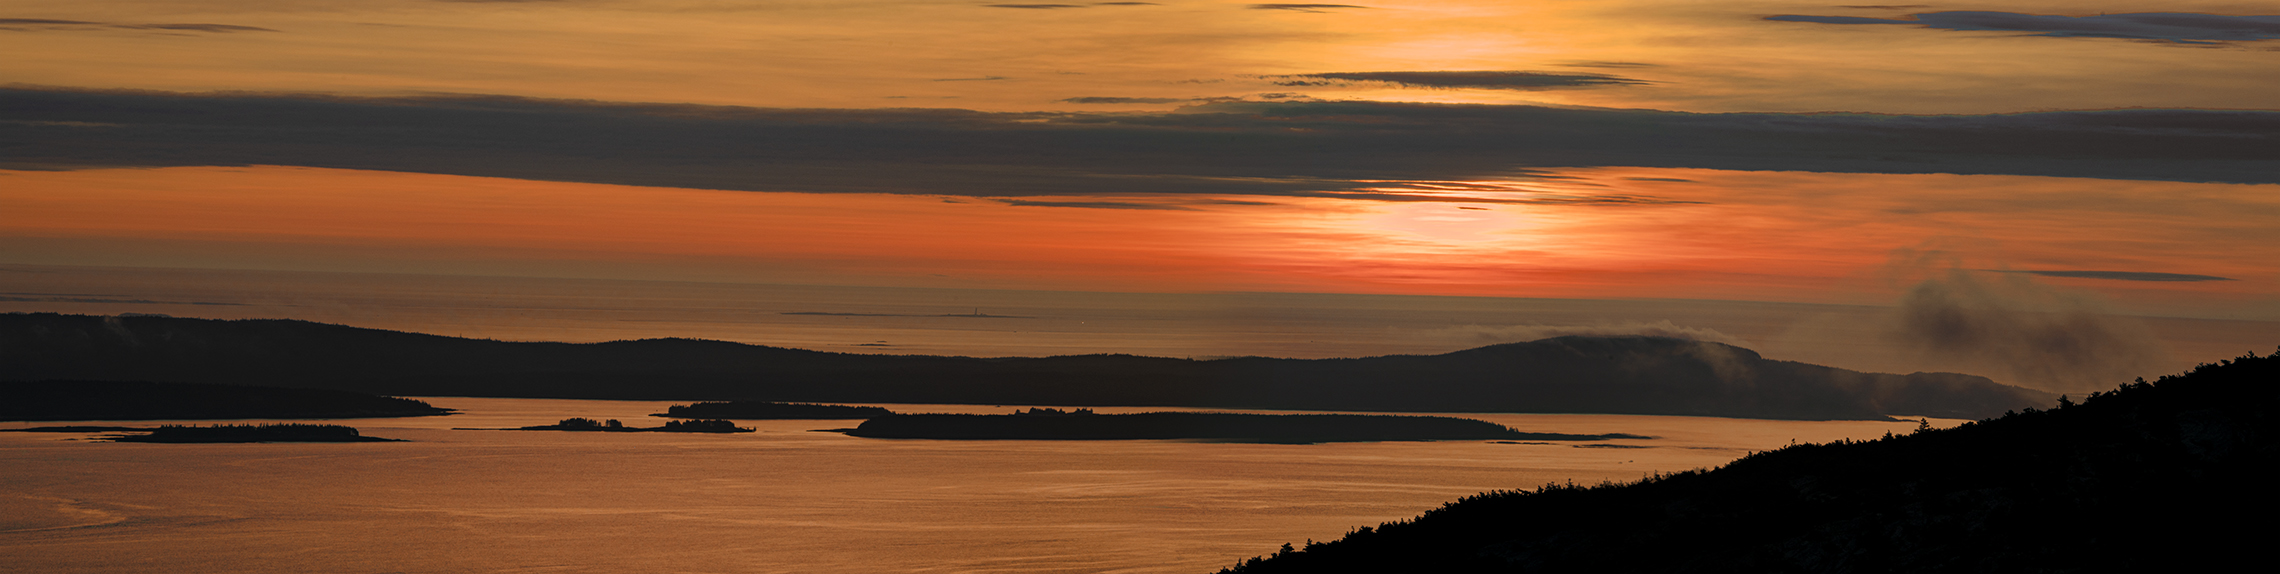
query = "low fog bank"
x=2009 y=326
x=2013 y=328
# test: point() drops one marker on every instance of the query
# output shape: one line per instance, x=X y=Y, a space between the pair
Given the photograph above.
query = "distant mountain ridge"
x=1621 y=375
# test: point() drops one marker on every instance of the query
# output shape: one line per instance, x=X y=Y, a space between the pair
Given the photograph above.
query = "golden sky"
x=1768 y=151
x=1672 y=54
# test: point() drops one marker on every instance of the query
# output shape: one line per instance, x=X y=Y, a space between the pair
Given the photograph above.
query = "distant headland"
x=1084 y=424
x=54 y=400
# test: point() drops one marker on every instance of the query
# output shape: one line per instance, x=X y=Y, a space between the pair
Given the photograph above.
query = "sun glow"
x=1606 y=232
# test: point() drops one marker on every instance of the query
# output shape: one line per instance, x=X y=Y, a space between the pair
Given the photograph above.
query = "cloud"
x=2125 y=275
x=1316 y=8
x=1095 y=204
x=1478 y=335
x=1605 y=65
x=1036 y=6
x=28 y=24
x=1117 y=100
x=2172 y=26
x=1493 y=80
x=1359 y=150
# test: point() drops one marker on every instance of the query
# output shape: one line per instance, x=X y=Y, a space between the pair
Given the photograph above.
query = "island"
x=767 y=410
x=75 y=400
x=249 y=433
x=1084 y=424
x=581 y=424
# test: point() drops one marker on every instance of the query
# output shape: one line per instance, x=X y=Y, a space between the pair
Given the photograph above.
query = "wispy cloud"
x=1595 y=64
x=1493 y=80
x=36 y=24
x=2125 y=275
x=1358 y=150
x=2172 y=26
x=1305 y=7
x=1120 y=100
x=1095 y=204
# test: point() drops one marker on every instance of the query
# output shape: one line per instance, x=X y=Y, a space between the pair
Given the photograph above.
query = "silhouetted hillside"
x=2172 y=476
x=1083 y=424
x=1637 y=375
x=136 y=400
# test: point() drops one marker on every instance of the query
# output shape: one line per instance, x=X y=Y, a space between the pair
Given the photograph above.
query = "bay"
x=783 y=499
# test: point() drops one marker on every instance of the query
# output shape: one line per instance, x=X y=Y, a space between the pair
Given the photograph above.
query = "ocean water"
x=784 y=499
x=787 y=499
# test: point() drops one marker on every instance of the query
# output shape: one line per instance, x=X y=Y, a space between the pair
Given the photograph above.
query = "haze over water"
x=993 y=323
x=780 y=500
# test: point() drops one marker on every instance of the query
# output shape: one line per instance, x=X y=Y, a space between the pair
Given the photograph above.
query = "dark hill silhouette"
x=2172 y=476
x=1636 y=375
x=138 y=400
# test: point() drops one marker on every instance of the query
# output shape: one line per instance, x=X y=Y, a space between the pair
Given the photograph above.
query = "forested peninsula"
x=1619 y=375
x=770 y=410
x=2169 y=476
x=247 y=433
x=1083 y=424
x=84 y=400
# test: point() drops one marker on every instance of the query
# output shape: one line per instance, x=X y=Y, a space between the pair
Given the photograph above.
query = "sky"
x=2020 y=159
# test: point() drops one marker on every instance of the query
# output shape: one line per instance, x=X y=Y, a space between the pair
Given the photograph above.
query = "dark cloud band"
x=1121 y=100
x=1305 y=7
x=2172 y=26
x=1327 y=149
x=1493 y=80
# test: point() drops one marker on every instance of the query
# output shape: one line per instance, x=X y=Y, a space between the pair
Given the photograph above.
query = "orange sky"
x=1790 y=236
x=1426 y=147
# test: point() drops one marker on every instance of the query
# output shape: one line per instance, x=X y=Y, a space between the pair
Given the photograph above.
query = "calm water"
x=781 y=500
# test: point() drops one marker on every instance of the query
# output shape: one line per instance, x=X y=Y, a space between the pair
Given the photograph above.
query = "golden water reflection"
x=781 y=500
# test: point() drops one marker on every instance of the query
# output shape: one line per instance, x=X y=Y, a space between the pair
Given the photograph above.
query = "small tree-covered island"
x=770 y=410
x=1084 y=424
x=581 y=424
x=249 y=433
